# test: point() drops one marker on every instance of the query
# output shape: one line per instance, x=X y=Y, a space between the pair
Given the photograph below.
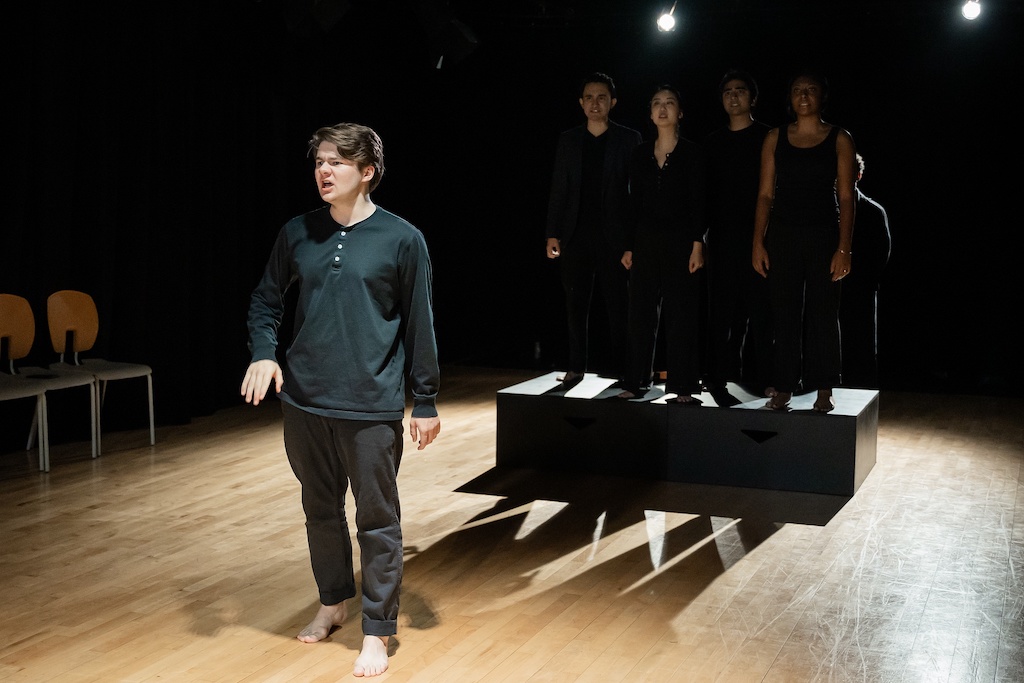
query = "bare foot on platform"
x=780 y=401
x=373 y=659
x=824 y=403
x=326 y=620
x=571 y=379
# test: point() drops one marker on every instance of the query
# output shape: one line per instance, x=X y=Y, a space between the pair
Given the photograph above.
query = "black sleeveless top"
x=805 y=182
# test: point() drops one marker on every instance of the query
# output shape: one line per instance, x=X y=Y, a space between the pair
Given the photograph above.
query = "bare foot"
x=770 y=392
x=572 y=377
x=326 y=619
x=625 y=395
x=373 y=660
x=780 y=401
x=824 y=403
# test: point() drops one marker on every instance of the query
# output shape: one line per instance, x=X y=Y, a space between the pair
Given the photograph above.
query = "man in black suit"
x=586 y=224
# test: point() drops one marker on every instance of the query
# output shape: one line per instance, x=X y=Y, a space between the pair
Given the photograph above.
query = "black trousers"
x=583 y=265
x=327 y=455
x=858 y=324
x=740 y=335
x=663 y=291
x=805 y=307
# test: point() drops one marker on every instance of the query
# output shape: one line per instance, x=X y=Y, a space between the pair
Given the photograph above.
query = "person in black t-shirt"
x=740 y=335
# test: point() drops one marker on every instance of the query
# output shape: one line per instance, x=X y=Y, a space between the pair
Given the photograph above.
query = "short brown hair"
x=356 y=143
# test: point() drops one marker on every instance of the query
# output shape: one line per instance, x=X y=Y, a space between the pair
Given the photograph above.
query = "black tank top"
x=805 y=181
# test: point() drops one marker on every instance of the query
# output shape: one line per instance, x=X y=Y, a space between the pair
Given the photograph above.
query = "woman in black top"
x=804 y=222
x=665 y=250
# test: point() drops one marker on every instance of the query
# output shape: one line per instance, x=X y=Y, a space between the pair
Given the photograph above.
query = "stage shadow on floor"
x=753 y=505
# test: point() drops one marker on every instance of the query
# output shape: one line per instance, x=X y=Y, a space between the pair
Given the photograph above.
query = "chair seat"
x=55 y=379
x=104 y=370
x=13 y=386
x=111 y=370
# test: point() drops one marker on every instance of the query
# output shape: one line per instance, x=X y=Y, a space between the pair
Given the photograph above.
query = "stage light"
x=971 y=9
x=667 y=22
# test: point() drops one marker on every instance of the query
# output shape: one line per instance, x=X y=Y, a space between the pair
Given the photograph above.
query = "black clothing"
x=734 y=177
x=803 y=235
x=589 y=219
x=325 y=454
x=567 y=177
x=858 y=312
x=580 y=268
x=587 y=214
x=667 y=200
x=667 y=216
x=740 y=338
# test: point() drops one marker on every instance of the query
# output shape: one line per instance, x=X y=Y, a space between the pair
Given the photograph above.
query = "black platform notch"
x=580 y=423
x=759 y=435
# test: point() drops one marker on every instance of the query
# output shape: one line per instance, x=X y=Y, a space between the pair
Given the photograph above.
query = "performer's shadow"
x=564 y=532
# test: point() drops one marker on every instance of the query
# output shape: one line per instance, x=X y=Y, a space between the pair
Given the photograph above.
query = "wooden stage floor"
x=187 y=561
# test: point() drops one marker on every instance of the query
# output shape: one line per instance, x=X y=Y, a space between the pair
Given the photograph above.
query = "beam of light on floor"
x=540 y=512
x=595 y=540
x=710 y=538
x=497 y=517
x=655 y=536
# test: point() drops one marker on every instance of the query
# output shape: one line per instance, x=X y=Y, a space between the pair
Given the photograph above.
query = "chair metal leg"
x=43 y=428
x=98 y=403
x=33 y=429
x=94 y=416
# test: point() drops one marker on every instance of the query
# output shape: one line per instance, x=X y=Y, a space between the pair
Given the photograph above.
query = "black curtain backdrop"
x=155 y=151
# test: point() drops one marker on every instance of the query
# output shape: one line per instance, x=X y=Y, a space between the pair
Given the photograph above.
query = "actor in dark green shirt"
x=363 y=327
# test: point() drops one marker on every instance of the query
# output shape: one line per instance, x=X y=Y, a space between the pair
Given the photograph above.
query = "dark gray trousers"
x=327 y=455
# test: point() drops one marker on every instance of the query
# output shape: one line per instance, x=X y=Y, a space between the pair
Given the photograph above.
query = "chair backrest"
x=17 y=324
x=71 y=310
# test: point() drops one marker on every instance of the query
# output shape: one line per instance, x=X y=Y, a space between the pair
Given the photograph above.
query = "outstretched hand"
x=258 y=378
x=424 y=430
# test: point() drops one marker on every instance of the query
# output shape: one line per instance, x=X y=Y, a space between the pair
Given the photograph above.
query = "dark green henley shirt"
x=363 y=322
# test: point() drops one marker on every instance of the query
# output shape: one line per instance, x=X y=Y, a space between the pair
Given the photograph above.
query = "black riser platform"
x=744 y=445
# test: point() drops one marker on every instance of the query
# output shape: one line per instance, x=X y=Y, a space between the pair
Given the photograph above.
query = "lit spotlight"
x=971 y=9
x=667 y=22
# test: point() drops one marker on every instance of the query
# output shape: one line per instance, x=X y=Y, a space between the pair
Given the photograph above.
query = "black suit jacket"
x=564 y=202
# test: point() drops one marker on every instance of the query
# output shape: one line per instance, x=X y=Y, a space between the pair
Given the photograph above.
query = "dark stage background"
x=154 y=150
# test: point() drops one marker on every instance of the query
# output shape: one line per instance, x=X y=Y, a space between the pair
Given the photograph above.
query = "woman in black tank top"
x=802 y=235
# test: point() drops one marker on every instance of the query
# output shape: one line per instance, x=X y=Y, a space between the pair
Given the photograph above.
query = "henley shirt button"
x=340 y=247
x=337 y=258
x=342 y=233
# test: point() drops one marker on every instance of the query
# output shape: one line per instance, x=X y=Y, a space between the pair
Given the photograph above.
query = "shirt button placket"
x=337 y=257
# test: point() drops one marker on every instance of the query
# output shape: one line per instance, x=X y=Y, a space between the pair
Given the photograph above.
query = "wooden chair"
x=17 y=330
x=74 y=326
